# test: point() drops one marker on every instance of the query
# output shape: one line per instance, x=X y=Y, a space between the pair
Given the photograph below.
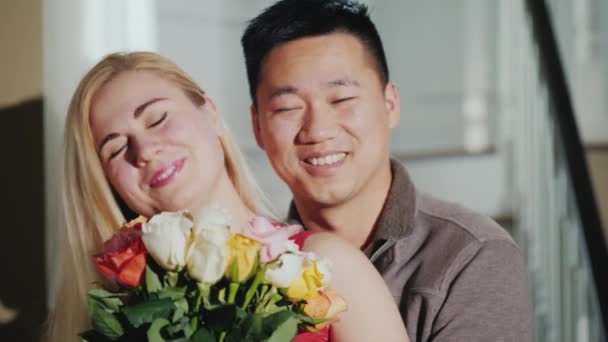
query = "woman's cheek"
x=122 y=179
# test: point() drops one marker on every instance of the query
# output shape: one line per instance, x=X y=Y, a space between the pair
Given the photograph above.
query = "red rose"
x=123 y=260
x=319 y=336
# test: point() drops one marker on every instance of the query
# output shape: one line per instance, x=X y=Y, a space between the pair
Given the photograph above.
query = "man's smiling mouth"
x=326 y=160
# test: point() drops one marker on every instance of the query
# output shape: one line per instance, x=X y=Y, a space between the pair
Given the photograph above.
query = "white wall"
x=582 y=32
x=77 y=33
x=434 y=52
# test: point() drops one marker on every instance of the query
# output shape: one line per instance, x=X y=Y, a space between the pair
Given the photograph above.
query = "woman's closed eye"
x=117 y=152
x=159 y=121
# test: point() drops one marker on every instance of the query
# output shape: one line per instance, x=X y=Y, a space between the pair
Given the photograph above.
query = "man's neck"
x=353 y=220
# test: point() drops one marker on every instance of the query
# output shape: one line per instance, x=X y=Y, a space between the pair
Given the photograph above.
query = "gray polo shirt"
x=455 y=275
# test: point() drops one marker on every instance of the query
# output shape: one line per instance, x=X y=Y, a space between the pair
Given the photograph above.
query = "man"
x=323 y=108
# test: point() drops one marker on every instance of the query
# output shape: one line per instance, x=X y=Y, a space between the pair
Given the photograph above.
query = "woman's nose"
x=145 y=149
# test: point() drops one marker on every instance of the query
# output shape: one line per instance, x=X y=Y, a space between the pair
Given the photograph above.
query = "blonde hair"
x=91 y=211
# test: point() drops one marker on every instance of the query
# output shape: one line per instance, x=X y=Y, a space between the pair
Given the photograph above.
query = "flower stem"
x=277 y=297
x=234 y=287
x=203 y=295
x=265 y=299
x=254 y=287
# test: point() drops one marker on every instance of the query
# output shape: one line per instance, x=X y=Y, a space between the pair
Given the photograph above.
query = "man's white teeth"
x=166 y=174
x=327 y=160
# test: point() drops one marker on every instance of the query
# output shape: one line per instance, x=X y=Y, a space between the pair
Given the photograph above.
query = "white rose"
x=292 y=247
x=292 y=263
x=207 y=256
x=283 y=273
x=167 y=236
x=324 y=266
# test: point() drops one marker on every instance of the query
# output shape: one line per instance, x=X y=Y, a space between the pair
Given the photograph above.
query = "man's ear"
x=255 y=124
x=392 y=102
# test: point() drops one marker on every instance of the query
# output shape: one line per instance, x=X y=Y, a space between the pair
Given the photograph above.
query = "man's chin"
x=326 y=197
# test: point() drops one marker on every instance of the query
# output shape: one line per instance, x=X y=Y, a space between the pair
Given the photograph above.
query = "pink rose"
x=272 y=236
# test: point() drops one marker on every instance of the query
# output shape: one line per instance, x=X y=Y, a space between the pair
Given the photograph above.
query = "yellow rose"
x=307 y=284
x=244 y=251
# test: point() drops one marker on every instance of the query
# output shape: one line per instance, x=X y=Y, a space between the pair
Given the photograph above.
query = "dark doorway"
x=22 y=249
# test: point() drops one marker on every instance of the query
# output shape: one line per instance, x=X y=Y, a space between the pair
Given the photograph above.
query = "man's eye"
x=286 y=109
x=117 y=152
x=344 y=99
x=158 y=122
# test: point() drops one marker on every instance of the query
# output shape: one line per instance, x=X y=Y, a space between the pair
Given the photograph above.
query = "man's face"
x=324 y=117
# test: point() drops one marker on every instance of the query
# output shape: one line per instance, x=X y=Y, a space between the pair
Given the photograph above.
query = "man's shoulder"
x=443 y=240
x=449 y=218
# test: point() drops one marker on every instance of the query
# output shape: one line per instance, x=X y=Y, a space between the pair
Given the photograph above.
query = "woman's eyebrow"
x=140 y=109
x=136 y=113
x=107 y=139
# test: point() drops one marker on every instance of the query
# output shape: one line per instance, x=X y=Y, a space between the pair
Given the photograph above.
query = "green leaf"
x=171 y=279
x=176 y=329
x=247 y=330
x=154 y=330
x=311 y=321
x=173 y=293
x=190 y=329
x=224 y=317
x=102 y=293
x=282 y=326
x=103 y=320
x=181 y=308
x=202 y=335
x=109 y=300
x=152 y=281
x=147 y=312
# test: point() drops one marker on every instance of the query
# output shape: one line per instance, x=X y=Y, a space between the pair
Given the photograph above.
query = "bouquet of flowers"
x=178 y=278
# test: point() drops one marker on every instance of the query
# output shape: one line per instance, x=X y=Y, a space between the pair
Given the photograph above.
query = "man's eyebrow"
x=282 y=91
x=136 y=113
x=343 y=82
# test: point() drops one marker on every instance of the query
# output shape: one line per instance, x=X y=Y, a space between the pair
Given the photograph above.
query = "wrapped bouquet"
x=178 y=278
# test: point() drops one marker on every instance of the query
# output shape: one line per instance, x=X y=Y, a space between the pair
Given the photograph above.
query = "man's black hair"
x=289 y=20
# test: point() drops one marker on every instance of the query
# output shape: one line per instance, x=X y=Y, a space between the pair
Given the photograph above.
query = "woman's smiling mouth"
x=165 y=175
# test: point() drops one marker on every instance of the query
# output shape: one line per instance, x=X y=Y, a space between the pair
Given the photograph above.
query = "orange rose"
x=327 y=305
x=123 y=260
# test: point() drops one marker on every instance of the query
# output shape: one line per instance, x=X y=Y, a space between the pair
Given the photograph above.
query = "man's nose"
x=318 y=124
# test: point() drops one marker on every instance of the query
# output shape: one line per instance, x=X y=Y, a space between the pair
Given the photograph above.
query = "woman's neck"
x=227 y=197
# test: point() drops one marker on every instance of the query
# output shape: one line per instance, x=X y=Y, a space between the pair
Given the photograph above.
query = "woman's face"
x=159 y=151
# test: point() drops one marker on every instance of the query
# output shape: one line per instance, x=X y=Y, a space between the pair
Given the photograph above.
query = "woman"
x=140 y=132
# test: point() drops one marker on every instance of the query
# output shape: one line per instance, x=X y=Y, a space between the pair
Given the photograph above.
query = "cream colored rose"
x=167 y=237
x=286 y=270
x=324 y=267
x=207 y=258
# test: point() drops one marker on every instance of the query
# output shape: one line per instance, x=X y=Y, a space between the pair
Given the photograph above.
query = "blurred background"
x=504 y=109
